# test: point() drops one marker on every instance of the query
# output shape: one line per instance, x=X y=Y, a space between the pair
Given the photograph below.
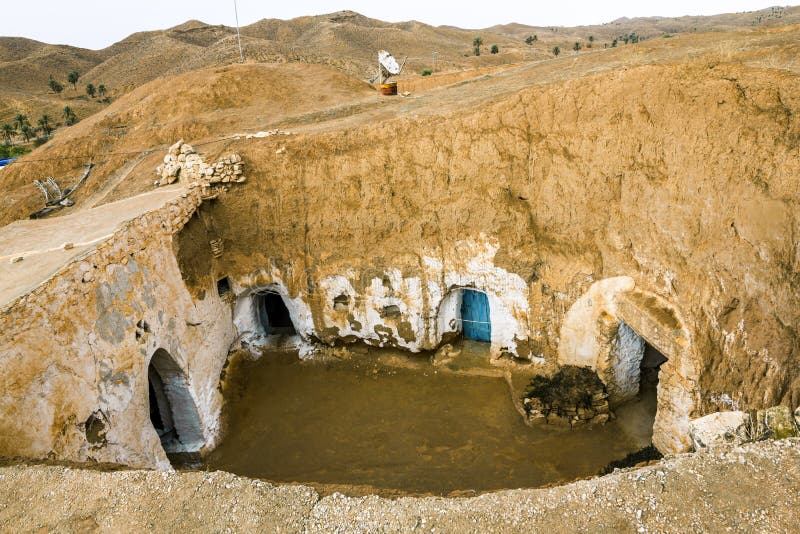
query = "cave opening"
x=172 y=410
x=273 y=314
x=649 y=369
x=633 y=381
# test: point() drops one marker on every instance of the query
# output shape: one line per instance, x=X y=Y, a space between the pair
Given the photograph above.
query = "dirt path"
x=40 y=243
x=753 y=488
x=113 y=181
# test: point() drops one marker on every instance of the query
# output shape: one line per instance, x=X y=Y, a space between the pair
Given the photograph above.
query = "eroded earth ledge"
x=739 y=489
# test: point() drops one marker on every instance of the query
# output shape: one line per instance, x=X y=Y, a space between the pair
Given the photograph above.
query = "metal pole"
x=238 y=35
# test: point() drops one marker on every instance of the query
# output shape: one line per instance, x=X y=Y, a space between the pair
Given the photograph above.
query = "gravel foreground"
x=755 y=487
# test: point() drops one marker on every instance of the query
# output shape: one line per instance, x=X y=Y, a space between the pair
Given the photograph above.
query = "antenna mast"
x=238 y=35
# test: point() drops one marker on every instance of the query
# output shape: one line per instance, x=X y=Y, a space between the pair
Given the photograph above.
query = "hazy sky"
x=97 y=24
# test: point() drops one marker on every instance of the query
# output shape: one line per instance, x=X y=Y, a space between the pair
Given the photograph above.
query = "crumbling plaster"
x=77 y=348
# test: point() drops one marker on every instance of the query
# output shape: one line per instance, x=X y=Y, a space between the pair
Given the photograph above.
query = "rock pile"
x=739 y=427
x=573 y=396
x=183 y=163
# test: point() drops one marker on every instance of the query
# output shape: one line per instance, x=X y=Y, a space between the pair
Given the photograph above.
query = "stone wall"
x=74 y=352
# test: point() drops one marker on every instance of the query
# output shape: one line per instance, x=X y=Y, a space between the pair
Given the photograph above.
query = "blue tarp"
x=475 y=316
x=4 y=162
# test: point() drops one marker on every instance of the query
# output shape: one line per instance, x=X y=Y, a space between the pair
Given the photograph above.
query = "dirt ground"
x=752 y=488
x=40 y=243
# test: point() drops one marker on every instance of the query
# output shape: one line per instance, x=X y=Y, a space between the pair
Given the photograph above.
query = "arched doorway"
x=172 y=410
x=624 y=333
x=273 y=315
x=465 y=311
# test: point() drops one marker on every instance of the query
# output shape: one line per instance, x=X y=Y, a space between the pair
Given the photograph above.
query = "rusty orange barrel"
x=389 y=89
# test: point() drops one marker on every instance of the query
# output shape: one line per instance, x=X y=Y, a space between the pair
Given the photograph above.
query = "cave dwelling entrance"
x=466 y=311
x=172 y=409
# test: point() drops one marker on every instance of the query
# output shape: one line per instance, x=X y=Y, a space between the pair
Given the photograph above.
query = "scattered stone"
x=776 y=423
x=719 y=427
x=281 y=150
x=68 y=246
x=270 y=133
x=17 y=259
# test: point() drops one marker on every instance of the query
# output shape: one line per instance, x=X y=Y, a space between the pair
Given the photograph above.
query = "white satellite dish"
x=387 y=67
x=389 y=63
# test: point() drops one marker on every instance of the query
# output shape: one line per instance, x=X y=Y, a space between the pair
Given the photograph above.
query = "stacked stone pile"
x=183 y=163
x=574 y=396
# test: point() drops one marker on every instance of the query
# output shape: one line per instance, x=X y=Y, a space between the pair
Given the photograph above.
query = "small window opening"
x=341 y=303
x=393 y=310
x=223 y=287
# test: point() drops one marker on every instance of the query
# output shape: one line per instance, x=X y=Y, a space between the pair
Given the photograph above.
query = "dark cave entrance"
x=649 y=369
x=172 y=409
x=273 y=315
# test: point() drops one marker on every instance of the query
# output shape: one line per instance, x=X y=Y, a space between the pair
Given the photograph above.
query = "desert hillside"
x=344 y=40
x=213 y=103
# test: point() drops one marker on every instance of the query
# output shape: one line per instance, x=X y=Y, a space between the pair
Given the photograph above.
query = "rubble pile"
x=183 y=163
x=573 y=396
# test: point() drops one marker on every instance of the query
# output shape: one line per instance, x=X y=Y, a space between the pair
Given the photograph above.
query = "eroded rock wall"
x=680 y=177
x=74 y=353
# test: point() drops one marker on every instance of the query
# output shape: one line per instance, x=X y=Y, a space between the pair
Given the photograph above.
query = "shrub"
x=495 y=49
x=426 y=72
x=55 y=86
x=9 y=151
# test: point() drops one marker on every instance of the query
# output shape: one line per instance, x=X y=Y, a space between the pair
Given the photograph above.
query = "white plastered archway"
x=590 y=337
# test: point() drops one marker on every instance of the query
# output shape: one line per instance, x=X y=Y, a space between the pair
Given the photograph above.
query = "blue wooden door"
x=475 y=316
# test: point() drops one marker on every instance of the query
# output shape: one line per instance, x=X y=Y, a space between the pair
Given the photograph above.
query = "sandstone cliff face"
x=662 y=197
x=74 y=352
x=682 y=178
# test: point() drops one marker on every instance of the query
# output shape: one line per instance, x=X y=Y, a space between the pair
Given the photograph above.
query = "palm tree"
x=101 y=90
x=73 y=78
x=90 y=90
x=20 y=120
x=576 y=47
x=44 y=124
x=69 y=116
x=476 y=44
x=556 y=51
x=8 y=131
x=27 y=132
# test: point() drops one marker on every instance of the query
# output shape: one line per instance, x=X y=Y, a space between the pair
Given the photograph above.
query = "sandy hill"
x=649 y=27
x=194 y=105
x=344 y=40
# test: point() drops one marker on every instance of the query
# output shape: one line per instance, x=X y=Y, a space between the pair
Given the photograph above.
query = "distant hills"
x=344 y=40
